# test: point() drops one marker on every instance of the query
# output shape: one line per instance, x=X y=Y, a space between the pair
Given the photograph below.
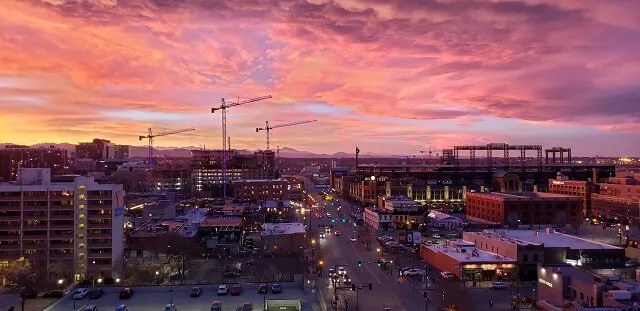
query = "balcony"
x=9 y=237
x=61 y=207
x=34 y=227
x=93 y=267
x=65 y=217
x=99 y=197
x=99 y=256
x=98 y=226
x=99 y=235
x=35 y=237
x=100 y=216
x=10 y=217
x=35 y=246
x=62 y=227
x=34 y=208
x=60 y=256
x=36 y=198
x=11 y=198
x=62 y=246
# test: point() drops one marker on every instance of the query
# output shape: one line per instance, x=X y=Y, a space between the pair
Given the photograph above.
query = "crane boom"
x=151 y=136
x=224 y=107
x=268 y=128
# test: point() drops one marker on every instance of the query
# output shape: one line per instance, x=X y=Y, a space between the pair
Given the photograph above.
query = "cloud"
x=156 y=63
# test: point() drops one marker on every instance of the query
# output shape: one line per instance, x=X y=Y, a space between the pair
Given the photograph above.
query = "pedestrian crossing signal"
x=359 y=263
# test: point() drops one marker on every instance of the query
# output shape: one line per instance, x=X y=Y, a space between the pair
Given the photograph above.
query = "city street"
x=387 y=291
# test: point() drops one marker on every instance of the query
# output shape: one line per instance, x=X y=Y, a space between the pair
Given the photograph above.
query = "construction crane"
x=151 y=136
x=224 y=107
x=429 y=151
x=268 y=128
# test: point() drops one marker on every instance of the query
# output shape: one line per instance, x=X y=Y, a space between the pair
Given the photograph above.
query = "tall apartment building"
x=63 y=221
x=13 y=157
x=121 y=151
x=524 y=208
x=98 y=149
x=583 y=189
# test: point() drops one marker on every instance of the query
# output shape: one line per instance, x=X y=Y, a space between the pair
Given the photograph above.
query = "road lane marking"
x=360 y=257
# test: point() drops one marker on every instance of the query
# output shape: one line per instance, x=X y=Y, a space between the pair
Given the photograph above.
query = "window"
x=581 y=295
x=535 y=257
x=525 y=257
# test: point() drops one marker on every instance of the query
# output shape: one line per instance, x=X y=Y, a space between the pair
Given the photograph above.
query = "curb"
x=323 y=304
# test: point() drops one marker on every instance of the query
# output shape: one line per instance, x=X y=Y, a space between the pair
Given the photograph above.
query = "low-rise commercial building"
x=443 y=220
x=383 y=219
x=525 y=208
x=284 y=238
x=618 y=200
x=467 y=262
x=533 y=247
x=254 y=190
x=69 y=221
x=564 y=287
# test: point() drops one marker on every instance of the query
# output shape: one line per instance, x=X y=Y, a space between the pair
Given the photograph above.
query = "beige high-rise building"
x=62 y=223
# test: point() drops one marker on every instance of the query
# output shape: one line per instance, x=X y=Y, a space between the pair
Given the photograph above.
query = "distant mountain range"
x=185 y=152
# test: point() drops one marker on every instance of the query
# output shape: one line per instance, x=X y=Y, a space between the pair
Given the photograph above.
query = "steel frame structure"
x=505 y=148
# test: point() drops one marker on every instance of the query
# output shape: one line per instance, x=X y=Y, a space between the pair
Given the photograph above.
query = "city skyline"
x=383 y=75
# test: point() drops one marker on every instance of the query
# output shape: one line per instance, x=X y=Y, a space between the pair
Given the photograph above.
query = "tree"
x=18 y=272
x=179 y=251
x=60 y=270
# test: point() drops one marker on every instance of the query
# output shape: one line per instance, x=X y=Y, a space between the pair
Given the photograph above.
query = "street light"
x=60 y=281
x=118 y=280
x=157 y=272
x=99 y=280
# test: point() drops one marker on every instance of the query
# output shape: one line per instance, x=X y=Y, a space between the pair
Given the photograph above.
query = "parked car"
x=80 y=293
x=170 y=307
x=353 y=239
x=195 y=291
x=236 y=290
x=436 y=236
x=96 y=293
x=53 y=294
x=216 y=306
x=231 y=274
x=122 y=308
x=435 y=242
x=498 y=285
x=262 y=289
x=126 y=293
x=90 y=308
x=447 y=275
x=222 y=290
x=247 y=306
x=276 y=288
x=413 y=272
x=630 y=263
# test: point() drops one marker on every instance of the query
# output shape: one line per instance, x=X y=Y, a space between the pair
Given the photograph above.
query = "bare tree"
x=179 y=251
x=18 y=272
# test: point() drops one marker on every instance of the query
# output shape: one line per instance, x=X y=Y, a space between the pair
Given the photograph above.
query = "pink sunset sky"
x=391 y=76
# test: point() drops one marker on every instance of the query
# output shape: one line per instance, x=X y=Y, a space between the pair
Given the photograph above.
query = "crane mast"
x=151 y=136
x=268 y=128
x=224 y=107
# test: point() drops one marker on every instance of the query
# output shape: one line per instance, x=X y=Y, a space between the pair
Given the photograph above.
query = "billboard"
x=417 y=237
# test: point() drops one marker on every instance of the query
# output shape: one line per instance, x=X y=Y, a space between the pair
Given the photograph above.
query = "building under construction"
x=492 y=167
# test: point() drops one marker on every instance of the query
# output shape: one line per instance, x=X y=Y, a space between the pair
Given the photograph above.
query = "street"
x=387 y=291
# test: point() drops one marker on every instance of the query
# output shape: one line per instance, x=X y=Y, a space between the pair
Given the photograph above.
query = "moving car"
x=122 y=308
x=247 y=306
x=80 y=293
x=322 y=235
x=222 y=290
x=195 y=291
x=276 y=288
x=498 y=285
x=236 y=290
x=353 y=239
x=341 y=270
x=170 y=307
x=332 y=272
x=447 y=275
x=216 y=306
x=96 y=293
x=262 y=289
x=53 y=294
x=346 y=279
x=413 y=272
x=126 y=293
x=337 y=233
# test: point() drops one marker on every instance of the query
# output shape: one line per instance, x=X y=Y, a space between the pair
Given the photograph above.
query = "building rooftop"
x=221 y=222
x=549 y=238
x=156 y=227
x=260 y=180
x=282 y=228
x=525 y=196
x=466 y=252
x=442 y=216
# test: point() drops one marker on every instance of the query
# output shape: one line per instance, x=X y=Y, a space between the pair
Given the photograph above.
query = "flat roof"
x=282 y=228
x=525 y=196
x=470 y=255
x=156 y=227
x=221 y=222
x=551 y=239
x=261 y=180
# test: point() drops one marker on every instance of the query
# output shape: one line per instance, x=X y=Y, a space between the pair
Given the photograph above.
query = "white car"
x=498 y=285
x=223 y=290
x=341 y=271
x=436 y=236
x=80 y=293
x=122 y=308
x=447 y=275
x=413 y=272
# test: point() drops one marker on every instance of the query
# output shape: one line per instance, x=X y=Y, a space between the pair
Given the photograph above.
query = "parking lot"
x=154 y=298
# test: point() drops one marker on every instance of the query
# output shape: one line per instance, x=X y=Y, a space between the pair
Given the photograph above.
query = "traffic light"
x=359 y=263
x=333 y=220
x=379 y=264
x=353 y=287
x=354 y=224
x=370 y=286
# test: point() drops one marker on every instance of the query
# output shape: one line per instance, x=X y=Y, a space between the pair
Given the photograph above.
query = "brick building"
x=13 y=157
x=619 y=200
x=252 y=190
x=583 y=189
x=524 y=208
